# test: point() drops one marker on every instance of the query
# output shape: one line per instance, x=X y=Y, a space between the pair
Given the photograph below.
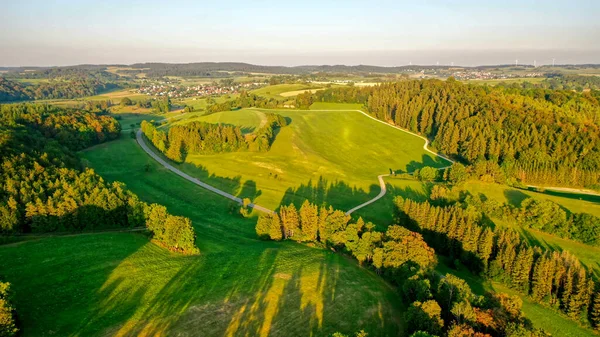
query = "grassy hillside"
x=120 y=284
x=338 y=166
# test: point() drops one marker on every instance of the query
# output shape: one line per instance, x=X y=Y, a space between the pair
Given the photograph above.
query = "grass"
x=337 y=167
x=275 y=91
x=247 y=119
x=120 y=284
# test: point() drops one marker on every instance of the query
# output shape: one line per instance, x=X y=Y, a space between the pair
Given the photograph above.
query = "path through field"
x=142 y=142
x=382 y=193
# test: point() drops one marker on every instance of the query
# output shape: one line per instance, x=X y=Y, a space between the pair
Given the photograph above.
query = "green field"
x=121 y=284
x=338 y=167
x=247 y=119
x=275 y=91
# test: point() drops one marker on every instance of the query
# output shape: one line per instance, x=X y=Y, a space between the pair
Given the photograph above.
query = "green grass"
x=576 y=203
x=247 y=119
x=120 y=284
x=275 y=91
x=337 y=167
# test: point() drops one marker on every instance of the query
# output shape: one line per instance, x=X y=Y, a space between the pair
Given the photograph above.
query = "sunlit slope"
x=325 y=156
x=120 y=284
x=247 y=119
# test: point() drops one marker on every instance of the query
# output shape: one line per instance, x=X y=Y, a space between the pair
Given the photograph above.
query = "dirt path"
x=142 y=142
x=566 y=189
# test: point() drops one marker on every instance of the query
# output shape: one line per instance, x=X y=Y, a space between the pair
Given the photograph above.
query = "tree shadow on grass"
x=272 y=289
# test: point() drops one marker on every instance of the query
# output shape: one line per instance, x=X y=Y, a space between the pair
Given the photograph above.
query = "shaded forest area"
x=44 y=187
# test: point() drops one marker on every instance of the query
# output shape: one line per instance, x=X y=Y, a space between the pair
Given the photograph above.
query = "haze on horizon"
x=386 y=33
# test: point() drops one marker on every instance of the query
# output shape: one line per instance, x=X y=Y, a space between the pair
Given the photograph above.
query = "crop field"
x=338 y=167
x=119 y=283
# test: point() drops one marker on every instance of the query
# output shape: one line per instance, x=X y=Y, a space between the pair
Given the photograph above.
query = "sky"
x=386 y=33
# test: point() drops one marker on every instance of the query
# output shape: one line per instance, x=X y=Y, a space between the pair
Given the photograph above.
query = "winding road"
x=140 y=139
x=145 y=147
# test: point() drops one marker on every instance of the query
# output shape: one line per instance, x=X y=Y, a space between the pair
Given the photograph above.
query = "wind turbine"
x=553 y=59
x=534 y=64
x=516 y=63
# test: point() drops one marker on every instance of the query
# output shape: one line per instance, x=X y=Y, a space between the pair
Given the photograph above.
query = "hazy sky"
x=60 y=32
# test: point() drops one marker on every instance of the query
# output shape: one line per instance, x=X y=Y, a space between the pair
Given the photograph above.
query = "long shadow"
x=515 y=197
x=569 y=195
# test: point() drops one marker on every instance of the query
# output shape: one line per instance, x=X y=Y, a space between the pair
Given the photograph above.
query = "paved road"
x=142 y=142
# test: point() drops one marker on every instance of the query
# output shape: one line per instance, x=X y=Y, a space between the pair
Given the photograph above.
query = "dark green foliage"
x=396 y=249
x=534 y=135
x=555 y=278
x=72 y=88
x=207 y=138
x=43 y=189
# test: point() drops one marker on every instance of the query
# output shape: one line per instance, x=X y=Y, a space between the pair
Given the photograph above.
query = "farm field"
x=339 y=167
x=121 y=284
x=278 y=91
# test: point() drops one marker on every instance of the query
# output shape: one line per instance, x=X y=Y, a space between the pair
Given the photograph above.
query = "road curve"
x=380 y=177
x=142 y=142
x=379 y=196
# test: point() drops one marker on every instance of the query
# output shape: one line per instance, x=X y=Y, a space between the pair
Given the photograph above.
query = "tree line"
x=245 y=100
x=54 y=89
x=44 y=189
x=206 y=138
x=438 y=304
x=535 y=135
x=554 y=278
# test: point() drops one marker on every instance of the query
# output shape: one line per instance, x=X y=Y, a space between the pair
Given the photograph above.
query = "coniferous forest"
x=534 y=135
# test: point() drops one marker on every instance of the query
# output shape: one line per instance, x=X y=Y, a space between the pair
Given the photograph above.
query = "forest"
x=55 y=89
x=460 y=232
x=208 y=138
x=438 y=303
x=535 y=135
x=45 y=188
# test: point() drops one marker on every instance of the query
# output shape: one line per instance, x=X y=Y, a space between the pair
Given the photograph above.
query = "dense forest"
x=439 y=304
x=207 y=138
x=54 y=89
x=535 y=135
x=571 y=82
x=43 y=187
x=460 y=232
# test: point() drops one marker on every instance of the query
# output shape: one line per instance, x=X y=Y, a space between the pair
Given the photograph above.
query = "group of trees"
x=446 y=305
x=43 y=189
x=535 y=135
x=8 y=313
x=439 y=304
x=557 y=279
x=205 y=138
x=245 y=100
x=389 y=252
